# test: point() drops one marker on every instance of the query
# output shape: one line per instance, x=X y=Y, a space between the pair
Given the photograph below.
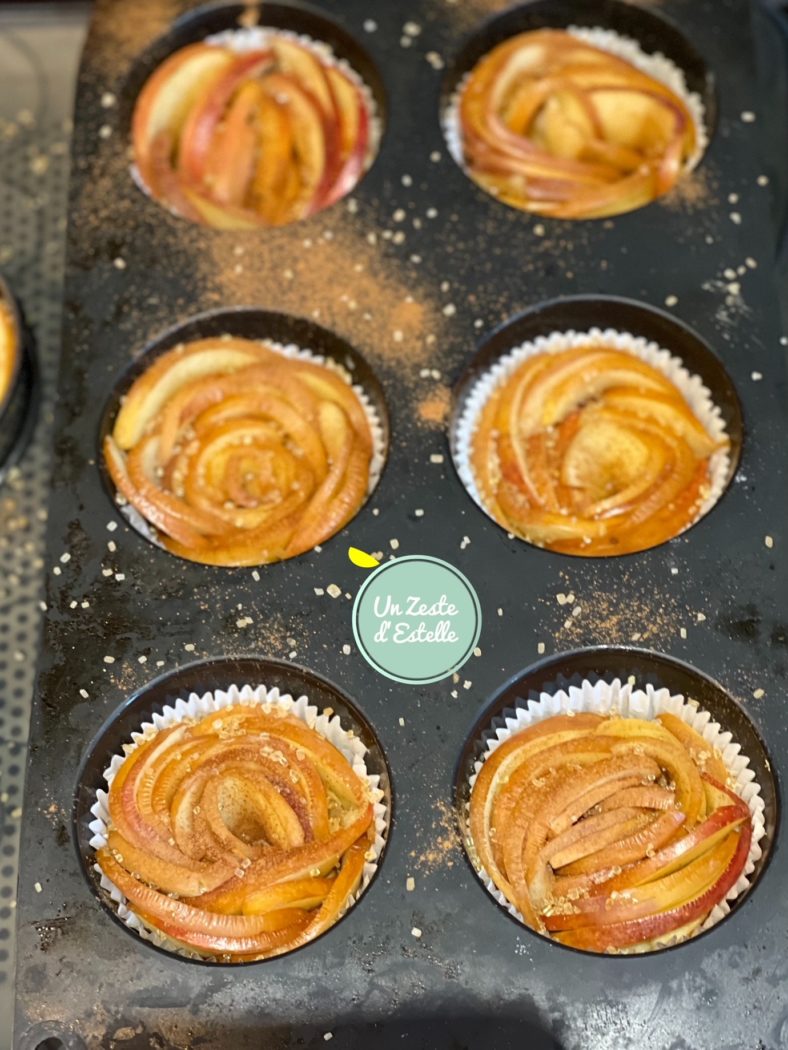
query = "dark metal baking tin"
x=18 y=409
x=606 y=664
x=474 y=978
x=200 y=678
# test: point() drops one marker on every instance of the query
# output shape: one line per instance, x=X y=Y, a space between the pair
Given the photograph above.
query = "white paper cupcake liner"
x=254 y=38
x=625 y=700
x=196 y=707
x=291 y=350
x=695 y=393
x=655 y=65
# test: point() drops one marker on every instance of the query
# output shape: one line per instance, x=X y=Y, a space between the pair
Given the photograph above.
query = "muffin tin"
x=439 y=964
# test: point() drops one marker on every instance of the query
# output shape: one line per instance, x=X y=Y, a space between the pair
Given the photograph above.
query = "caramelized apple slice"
x=354 y=133
x=649 y=837
x=169 y=94
x=170 y=372
x=636 y=931
x=300 y=64
x=231 y=165
x=660 y=895
x=593 y=834
x=308 y=893
x=682 y=851
x=312 y=142
x=703 y=755
x=209 y=109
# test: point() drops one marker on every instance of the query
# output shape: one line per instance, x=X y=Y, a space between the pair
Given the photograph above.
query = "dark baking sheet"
x=474 y=978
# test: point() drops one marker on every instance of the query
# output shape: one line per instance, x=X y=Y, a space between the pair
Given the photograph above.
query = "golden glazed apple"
x=556 y=126
x=608 y=833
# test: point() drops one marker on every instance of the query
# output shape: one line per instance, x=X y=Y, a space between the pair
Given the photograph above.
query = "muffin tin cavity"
x=319 y=113
x=629 y=323
x=297 y=338
x=195 y=680
x=646 y=40
x=586 y=669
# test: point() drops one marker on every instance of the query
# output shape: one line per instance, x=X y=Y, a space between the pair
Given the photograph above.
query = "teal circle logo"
x=417 y=619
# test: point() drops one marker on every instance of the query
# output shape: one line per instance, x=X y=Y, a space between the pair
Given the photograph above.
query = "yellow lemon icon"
x=361 y=558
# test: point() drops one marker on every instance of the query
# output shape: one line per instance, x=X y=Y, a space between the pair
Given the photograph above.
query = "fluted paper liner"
x=695 y=393
x=291 y=350
x=655 y=65
x=626 y=701
x=198 y=706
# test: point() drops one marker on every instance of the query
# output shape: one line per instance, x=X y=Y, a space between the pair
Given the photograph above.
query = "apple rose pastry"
x=240 y=835
x=609 y=833
x=239 y=455
x=238 y=139
x=591 y=451
x=557 y=126
x=8 y=350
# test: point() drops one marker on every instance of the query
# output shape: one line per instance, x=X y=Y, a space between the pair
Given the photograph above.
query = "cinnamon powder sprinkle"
x=444 y=845
x=434 y=408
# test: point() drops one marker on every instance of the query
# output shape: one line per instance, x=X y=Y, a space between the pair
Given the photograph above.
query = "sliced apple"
x=207 y=112
x=169 y=94
x=354 y=133
x=231 y=164
x=636 y=931
x=301 y=64
x=705 y=756
x=661 y=895
x=314 y=144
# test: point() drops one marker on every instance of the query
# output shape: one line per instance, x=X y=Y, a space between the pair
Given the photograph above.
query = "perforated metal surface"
x=38 y=54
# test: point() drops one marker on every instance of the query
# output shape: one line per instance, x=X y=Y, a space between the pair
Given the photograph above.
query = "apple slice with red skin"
x=316 y=140
x=207 y=112
x=271 y=942
x=665 y=894
x=300 y=64
x=354 y=134
x=637 y=931
x=528 y=832
x=718 y=794
x=169 y=93
x=191 y=925
x=694 y=844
